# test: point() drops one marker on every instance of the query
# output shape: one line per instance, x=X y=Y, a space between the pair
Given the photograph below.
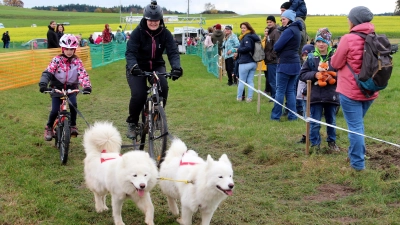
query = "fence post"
x=308 y=115
x=259 y=88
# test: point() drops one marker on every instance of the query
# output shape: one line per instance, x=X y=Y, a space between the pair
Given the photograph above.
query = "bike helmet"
x=153 y=11
x=69 y=41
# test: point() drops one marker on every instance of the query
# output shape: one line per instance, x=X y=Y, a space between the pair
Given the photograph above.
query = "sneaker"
x=74 y=131
x=131 y=133
x=333 y=147
x=249 y=100
x=230 y=83
x=48 y=133
x=239 y=99
x=302 y=140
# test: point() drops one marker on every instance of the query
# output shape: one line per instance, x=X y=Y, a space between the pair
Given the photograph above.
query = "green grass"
x=276 y=183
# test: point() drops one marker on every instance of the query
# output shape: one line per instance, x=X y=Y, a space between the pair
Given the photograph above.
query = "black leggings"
x=55 y=107
x=138 y=86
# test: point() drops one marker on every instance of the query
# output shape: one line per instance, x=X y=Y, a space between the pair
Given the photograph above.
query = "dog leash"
x=79 y=113
x=169 y=179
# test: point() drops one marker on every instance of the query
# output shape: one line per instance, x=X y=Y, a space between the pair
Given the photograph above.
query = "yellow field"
x=337 y=25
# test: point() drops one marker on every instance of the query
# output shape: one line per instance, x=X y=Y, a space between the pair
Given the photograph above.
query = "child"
x=65 y=71
x=299 y=6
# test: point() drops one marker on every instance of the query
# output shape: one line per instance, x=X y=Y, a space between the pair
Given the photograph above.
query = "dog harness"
x=182 y=163
x=105 y=156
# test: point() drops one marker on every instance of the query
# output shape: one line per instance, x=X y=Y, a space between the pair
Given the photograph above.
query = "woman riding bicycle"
x=65 y=71
x=144 y=53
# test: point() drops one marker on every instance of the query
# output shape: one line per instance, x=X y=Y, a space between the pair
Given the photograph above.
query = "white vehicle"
x=181 y=34
x=1 y=26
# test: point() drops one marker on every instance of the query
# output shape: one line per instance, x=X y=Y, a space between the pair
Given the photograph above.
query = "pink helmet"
x=69 y=41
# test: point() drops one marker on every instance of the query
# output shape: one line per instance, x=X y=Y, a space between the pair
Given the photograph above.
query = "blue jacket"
x=246 y=48
x=299 y=6
x=229 y=44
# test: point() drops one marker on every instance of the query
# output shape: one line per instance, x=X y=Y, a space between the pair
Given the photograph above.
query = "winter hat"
x=360 y=14
x=290 y=14
x=323 y=34
x=228 y=27
x=218 y=26
x=272 y=18
x=286 y=5
x=307 y=49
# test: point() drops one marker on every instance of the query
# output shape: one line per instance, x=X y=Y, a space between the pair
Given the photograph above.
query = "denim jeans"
x=330 y=118
x=354 y=112
x=271 y=70
x=284 y=88
x=246 y=74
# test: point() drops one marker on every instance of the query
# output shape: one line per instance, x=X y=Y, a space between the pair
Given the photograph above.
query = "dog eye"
x=220 y=176
x=145 y=175
x=135 y=175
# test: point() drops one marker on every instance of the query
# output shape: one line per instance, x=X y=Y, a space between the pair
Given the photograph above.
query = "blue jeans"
x=330 y=118
x=271 y=70
x=55 y=107
x=354 y=112
x=246 y=74
x=284 y=88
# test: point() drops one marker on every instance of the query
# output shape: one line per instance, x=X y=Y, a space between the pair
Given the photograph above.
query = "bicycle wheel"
x=158 y=135
x=65 y=137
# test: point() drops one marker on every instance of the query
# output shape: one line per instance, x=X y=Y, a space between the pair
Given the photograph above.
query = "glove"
x=43 y=87
x=136 y=71
x=87 y=90
x=176 y=73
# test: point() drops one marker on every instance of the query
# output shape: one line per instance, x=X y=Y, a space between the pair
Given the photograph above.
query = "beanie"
x=286 y=5
x=218 y=26
x=228 y=27
x=360 y=14
x=307 y=49
x=323 y=34
x=272 y=18
x=290 y=14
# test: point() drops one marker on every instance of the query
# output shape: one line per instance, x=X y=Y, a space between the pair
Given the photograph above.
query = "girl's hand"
x=229 y=52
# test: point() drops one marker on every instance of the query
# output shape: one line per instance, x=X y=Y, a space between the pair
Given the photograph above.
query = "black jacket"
x=319 y=94
x=246 y=48
x=5 y=38
x=52 y=38
x=146 y=54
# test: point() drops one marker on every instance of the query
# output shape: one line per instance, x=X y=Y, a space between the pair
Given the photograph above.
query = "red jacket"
x=350 y=50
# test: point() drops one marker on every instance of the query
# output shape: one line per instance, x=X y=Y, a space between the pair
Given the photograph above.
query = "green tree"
x=397 y=9
x=15 y=3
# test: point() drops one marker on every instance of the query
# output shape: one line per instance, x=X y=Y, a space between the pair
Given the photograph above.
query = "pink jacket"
x=350 y=50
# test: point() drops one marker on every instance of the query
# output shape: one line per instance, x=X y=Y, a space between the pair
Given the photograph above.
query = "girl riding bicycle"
x=65 y=71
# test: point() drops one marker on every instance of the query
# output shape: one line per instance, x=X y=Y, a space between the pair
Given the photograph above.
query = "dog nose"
x=142 y=186
x=231 y=186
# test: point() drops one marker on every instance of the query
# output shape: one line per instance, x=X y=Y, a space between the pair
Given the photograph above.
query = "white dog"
x=210 y=182
x=131 y=175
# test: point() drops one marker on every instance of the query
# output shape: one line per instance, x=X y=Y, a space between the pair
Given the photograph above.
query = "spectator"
x=52 y=38
x=119 y=37
x=323 y=98
x=112 y=35
x=99 y=40
x=229 y=44
x=261 y=66
x=299 y=6
x=208 y=45
x=247 y=66
x=353 y=102
x=106 y=34
x=60 y=31
x=271 y=58
x=79 y=39
x=289 y=64
x=91 y=39
x=6 y=39
x=128 y=35
x=218 y=37
x=123 y=32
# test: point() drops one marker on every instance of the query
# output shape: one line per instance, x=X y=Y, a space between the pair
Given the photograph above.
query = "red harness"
x=108 y=156
x=181 y=163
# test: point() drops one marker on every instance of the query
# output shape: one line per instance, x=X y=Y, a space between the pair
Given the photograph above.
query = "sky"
x=239 y=6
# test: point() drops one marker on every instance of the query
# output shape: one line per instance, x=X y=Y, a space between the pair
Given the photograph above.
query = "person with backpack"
x=353 y=102
x=288 y=68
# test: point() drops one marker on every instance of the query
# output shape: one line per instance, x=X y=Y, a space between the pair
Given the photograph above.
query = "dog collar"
x=108 y=156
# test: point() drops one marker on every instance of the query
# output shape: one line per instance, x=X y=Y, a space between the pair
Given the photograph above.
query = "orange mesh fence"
x=21 y=68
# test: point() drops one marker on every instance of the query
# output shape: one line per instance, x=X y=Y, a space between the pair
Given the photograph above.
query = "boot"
x=131 y=133
x=48 y=133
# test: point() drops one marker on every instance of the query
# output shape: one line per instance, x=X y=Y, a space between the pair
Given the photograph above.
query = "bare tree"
x=209 y=6
x=397 y=9
x=15 y=3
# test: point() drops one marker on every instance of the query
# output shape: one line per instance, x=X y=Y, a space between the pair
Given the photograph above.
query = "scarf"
x=244 y=34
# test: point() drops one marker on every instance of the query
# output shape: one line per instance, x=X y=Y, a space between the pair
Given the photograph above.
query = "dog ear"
x=224 y=158
x=210 y=160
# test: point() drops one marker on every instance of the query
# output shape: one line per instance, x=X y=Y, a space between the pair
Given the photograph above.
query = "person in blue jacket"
x=298 y=6
x=288 y=68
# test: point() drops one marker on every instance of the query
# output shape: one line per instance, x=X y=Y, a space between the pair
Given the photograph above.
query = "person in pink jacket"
x=354 y=104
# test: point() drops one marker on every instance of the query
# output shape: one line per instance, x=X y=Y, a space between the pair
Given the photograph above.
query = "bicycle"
x=62 y=126
x=153 y=122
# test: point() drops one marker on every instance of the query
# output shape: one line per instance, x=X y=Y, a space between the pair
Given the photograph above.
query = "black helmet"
x=153 y=11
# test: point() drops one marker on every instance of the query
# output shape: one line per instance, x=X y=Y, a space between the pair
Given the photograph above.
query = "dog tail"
x=102 y=136
x=177 y=149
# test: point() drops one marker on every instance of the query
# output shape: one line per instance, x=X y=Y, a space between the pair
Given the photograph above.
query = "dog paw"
x=119 y=223
x=101 y=209
x=179 y=220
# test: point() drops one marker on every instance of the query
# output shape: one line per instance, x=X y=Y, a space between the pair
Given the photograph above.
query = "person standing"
x=52 y=38
x=60 y=31
x=271 y=59
x=91 y=41
x=353 y=102
x=106 y=34
x=6 y=39
x=218 y=37
x=288 y=68
x=230 y=43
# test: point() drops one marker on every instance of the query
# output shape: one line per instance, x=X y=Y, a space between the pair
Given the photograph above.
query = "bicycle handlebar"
x=149 y=74
x=64 y=92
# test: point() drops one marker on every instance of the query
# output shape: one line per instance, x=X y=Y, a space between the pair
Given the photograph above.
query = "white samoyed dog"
x=131 y=175
x=210 y=182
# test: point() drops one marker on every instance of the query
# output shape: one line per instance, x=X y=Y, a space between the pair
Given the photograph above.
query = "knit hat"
x=307 y=49
x=286 y=5
x=218 y=26
x=360 y=14
x=272 y=18
x=323 y=34
x=290 y=14
x=228 y=27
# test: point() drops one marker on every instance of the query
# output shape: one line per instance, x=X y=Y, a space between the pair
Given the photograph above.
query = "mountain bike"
x=153 y=121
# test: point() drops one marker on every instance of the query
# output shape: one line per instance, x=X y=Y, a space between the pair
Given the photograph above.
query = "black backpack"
x=377 y=66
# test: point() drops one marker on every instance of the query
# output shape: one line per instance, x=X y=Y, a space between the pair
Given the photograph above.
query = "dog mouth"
x=227 y=191
x=140 y=191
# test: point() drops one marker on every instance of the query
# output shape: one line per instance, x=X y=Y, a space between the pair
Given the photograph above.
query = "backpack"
x=259 y=54
x=376 y=67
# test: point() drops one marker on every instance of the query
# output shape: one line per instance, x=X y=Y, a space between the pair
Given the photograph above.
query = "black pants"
x=229 y=66
x=138 y=86
x=55 y=107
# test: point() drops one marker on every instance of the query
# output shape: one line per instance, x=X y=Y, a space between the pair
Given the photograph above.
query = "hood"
x=254 y=37
x=298 y=24
x=106 y=25
x=218 y=33
x=143 y=25
x=365 y=28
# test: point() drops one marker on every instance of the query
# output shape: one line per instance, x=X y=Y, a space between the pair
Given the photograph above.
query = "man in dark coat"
x=6 y=39
x=52 y=39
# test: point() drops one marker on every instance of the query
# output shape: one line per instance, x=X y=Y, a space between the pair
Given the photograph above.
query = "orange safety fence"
x=21 y=68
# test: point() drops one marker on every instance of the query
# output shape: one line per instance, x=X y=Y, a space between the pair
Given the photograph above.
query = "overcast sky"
x=238 y=6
